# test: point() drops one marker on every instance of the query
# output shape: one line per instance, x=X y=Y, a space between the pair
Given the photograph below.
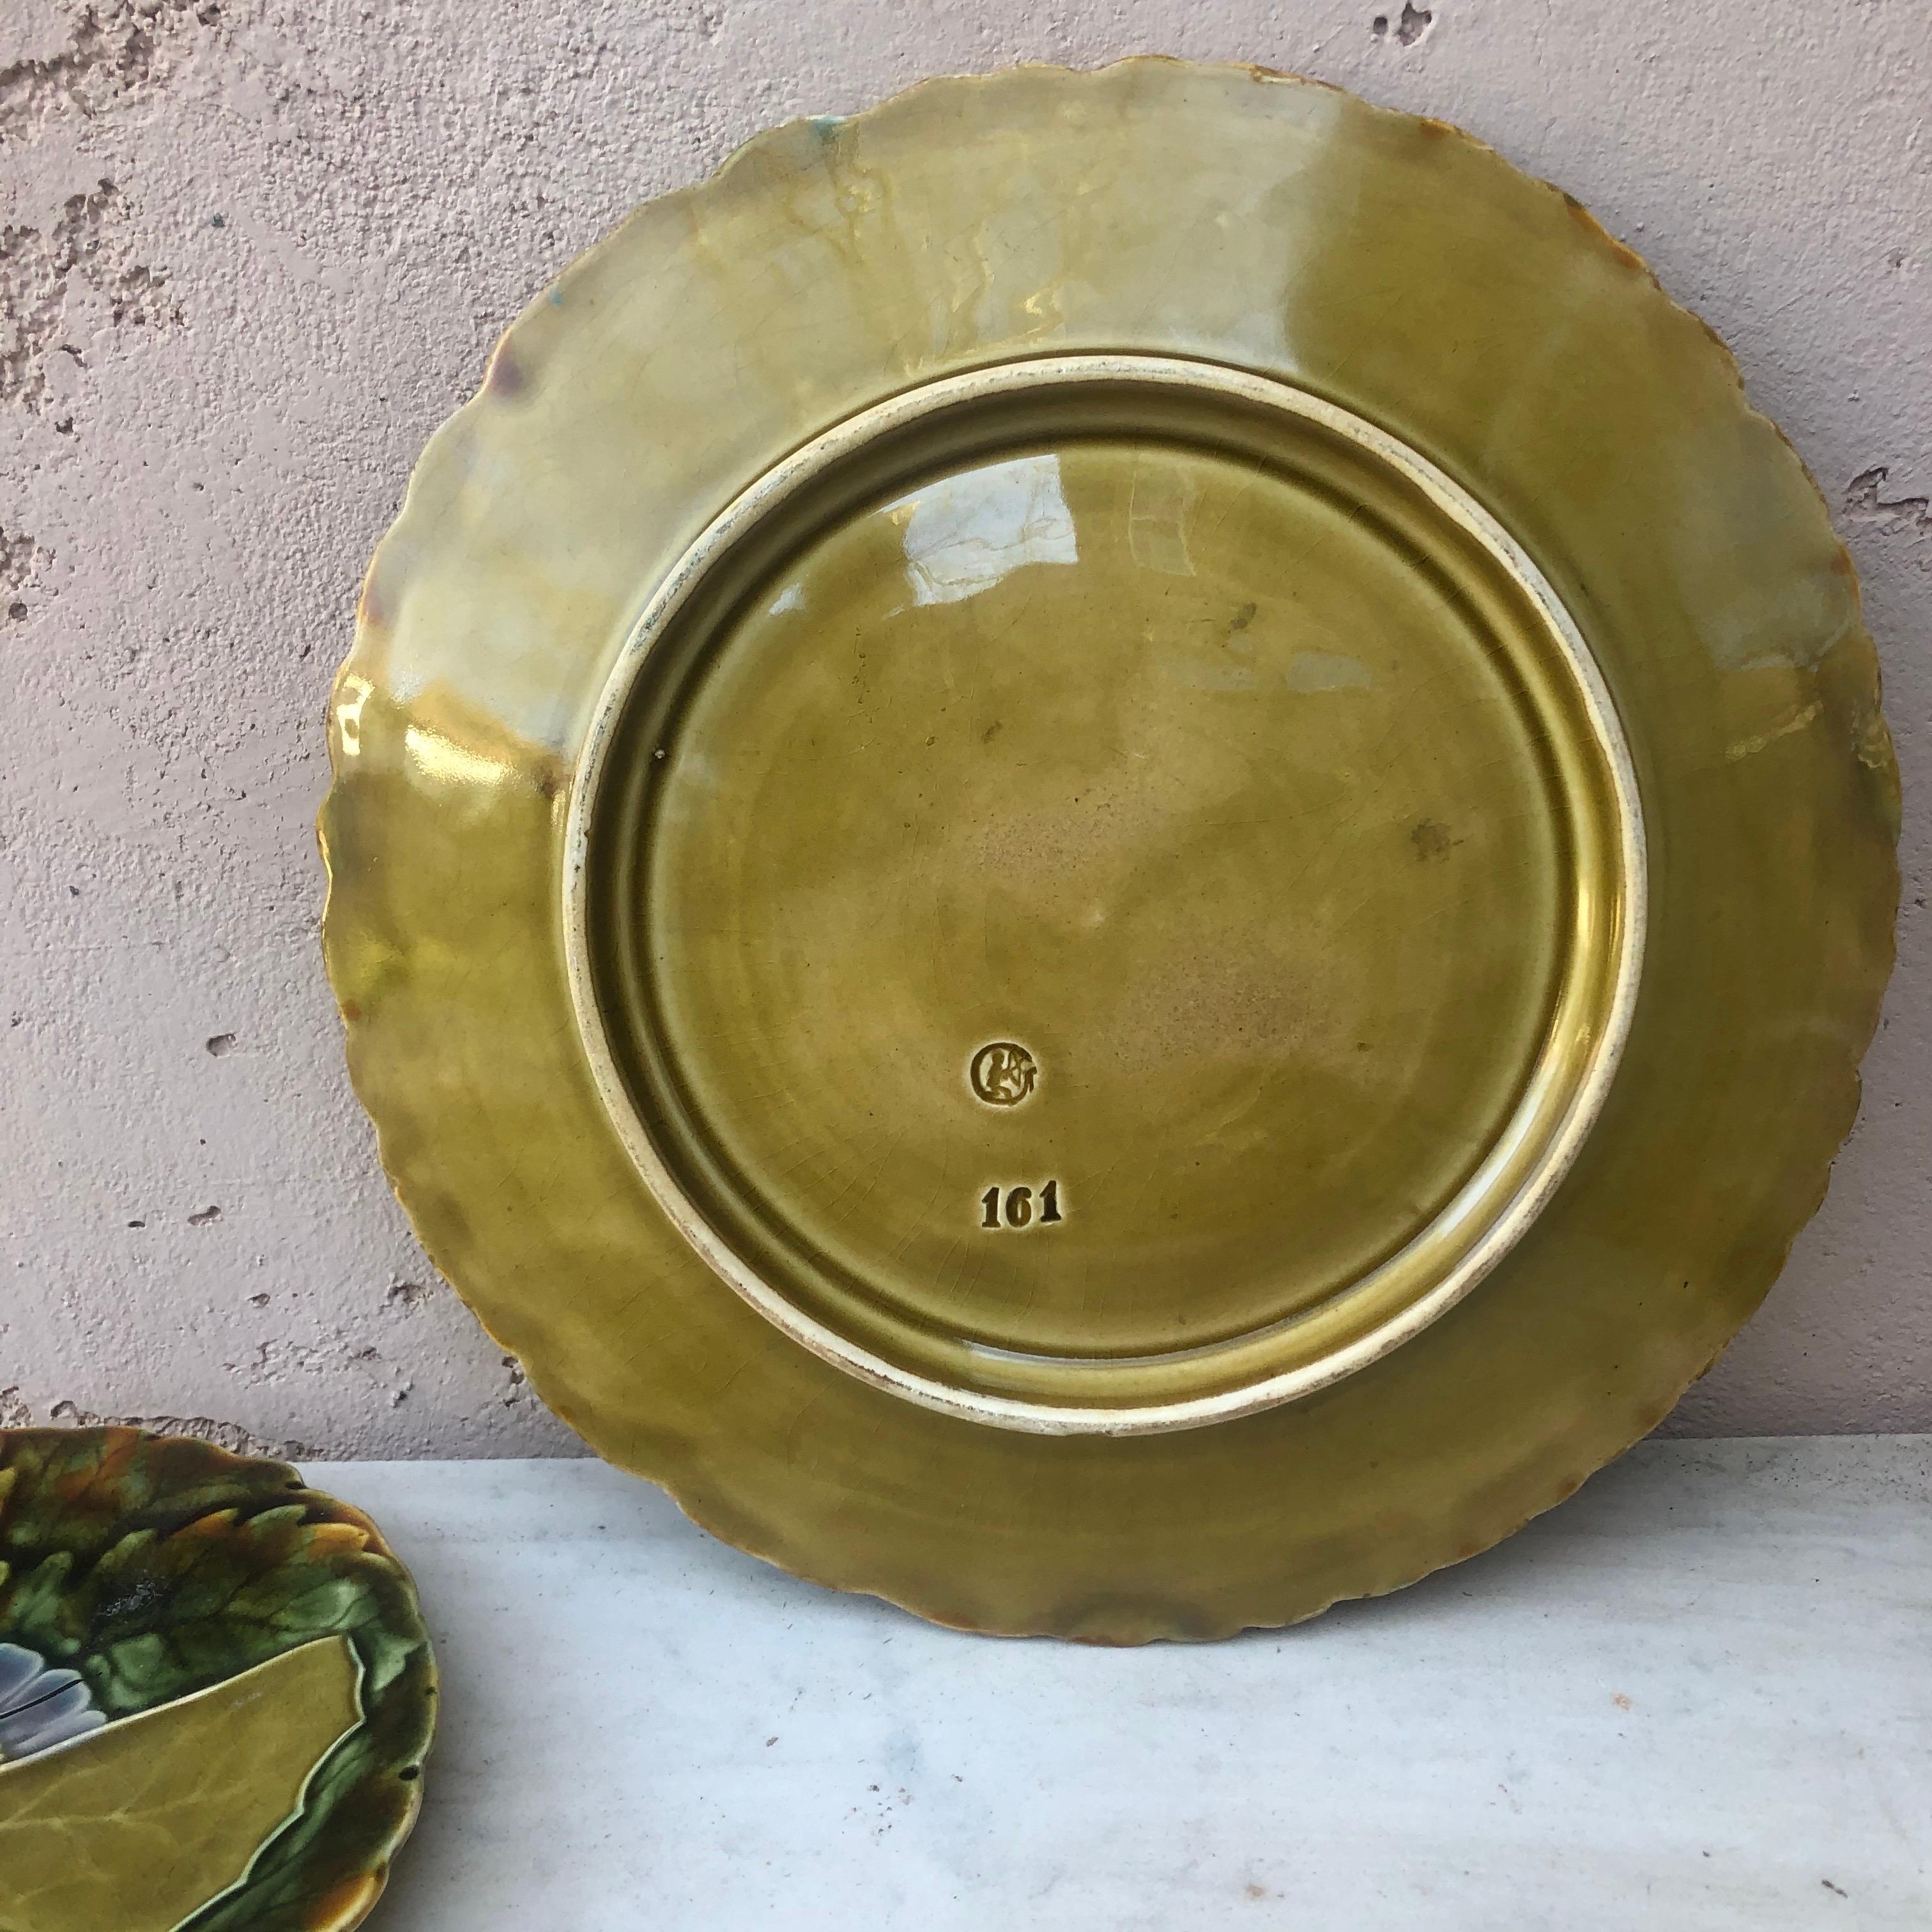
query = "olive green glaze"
x=802 y=797
x=1241 y=897
x=136 y=1826
x=1263 y=849
x=160 y=1568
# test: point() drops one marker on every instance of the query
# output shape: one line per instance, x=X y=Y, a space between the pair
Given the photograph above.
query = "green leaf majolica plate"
x=1111 y=850
x=216 y=1692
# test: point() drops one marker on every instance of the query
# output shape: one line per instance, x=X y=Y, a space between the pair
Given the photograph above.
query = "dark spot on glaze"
x=991 y=732
x=505 y=376
x=219 y=1043
x=372 y=609
x=204 y=1217
x=1430 y=840
x=1242 y=619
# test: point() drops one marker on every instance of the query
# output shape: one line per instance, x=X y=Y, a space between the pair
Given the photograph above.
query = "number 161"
x=1013 y=1206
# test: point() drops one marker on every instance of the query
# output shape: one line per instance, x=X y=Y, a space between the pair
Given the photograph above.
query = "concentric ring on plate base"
x=1007 y=406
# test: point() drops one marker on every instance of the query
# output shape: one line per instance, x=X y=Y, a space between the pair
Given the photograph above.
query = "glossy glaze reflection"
x=1391 y=268
x=980 y=716
x=216 y=1692
x=1243 y=857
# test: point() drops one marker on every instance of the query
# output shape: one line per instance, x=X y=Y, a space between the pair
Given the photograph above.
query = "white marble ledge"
x=1697 y=1696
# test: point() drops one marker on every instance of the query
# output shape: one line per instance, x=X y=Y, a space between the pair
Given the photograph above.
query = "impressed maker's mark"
x=1003 y=1073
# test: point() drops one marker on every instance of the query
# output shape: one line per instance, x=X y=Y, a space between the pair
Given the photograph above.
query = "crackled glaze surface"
x=215 y=1692
x=1214 y=801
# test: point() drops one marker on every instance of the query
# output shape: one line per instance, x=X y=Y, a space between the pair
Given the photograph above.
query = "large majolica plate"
x=1111 y=850
x=216 y=1692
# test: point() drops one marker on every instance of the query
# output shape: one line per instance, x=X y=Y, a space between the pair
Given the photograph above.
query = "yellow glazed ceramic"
x=136 y=1827
x=1111 y=850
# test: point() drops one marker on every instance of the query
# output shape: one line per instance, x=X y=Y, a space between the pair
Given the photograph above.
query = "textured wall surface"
x=252 y=252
